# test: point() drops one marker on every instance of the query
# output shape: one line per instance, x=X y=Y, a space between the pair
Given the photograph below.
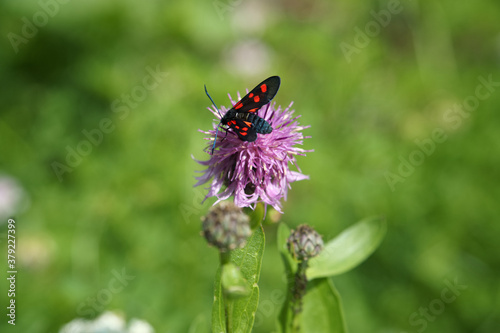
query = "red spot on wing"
x=232 y=122
x=243 y=133
x=237 y=127
x=249 y=124
x=250 y=95
x=252 y=110
x=263 y=88
x=244 y=129
x=238 y=105
x=256 y=99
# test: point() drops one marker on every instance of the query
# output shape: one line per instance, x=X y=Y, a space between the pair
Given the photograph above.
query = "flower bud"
x=226 y=227
x=304 y=243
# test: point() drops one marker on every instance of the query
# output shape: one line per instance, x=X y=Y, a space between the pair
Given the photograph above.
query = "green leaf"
x=285 y=316
x=322 y=308
x=200 y=324
x=218 y=311
x=240 y=312
x=288 y=261
x=249 y=259
x=348 y=249
x=256 y=215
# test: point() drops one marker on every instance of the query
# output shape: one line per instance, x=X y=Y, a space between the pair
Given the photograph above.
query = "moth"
x=242 y=118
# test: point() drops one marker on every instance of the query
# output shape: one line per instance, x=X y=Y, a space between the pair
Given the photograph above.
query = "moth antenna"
x=217 y=130
x=206 y=92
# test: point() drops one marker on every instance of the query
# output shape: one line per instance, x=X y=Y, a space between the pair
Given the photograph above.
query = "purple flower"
x=256 y=171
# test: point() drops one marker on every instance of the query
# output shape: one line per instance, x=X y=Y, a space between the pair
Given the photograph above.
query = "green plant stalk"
x=236 y=292
x=225 y=258
x=299 y=290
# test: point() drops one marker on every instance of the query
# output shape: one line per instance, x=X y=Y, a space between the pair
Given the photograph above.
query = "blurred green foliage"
x=129 y=204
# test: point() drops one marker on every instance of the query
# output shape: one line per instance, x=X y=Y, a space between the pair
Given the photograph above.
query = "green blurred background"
x=128 y=202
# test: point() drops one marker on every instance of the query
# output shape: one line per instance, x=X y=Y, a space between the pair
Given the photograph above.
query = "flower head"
x=304 y=243
x=226 y=226
x=256 y=171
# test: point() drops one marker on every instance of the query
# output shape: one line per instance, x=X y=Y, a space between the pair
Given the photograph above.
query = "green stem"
x=299 y=290
x=229 y=315
x=225 y=258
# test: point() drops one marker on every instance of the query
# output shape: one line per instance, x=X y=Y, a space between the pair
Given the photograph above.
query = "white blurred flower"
x=257 y=10
x=75 y=326
x=139 y=326
x=108 y=322
x=11 y=195
x=248 y=57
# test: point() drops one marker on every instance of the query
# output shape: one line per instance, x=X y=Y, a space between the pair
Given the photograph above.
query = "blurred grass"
x=123 y=205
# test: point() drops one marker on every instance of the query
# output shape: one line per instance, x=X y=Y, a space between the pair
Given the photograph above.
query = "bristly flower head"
x=226 y=227
x=256 y=171
x=304 y=243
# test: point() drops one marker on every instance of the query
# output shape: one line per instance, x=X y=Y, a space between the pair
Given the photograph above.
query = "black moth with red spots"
x=242 y=118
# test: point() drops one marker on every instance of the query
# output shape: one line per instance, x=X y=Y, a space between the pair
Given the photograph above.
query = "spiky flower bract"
x=256 y=171
x=304 y=243
x=226 y=227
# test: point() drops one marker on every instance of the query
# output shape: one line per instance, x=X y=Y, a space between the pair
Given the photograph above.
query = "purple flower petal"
x=256 y=171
